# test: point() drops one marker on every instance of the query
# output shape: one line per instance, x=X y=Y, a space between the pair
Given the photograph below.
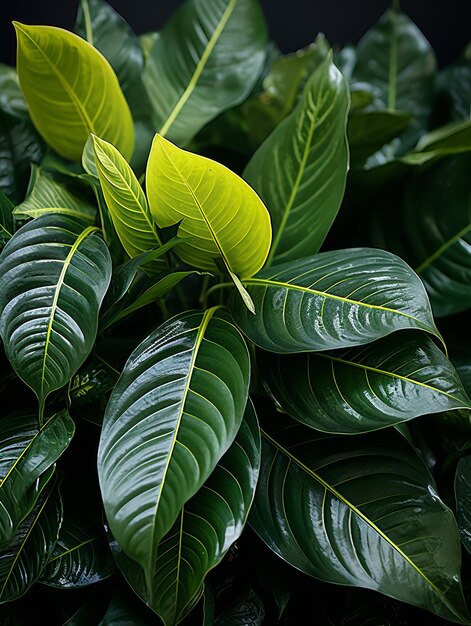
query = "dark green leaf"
x=333 y=300
x=53 y=276
x=368 y=388
x=124 y=610
x=307 y=156
x=172 y=415
x=7 y=225
x=23 y=560
x=454 y=89
x=360 y=511
x=463 y=500
x=93 y=380
x=248 y=610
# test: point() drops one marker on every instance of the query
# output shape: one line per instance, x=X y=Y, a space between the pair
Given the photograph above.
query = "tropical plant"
x=231 y=406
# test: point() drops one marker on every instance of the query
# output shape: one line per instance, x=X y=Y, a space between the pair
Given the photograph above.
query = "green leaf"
x=177 y=407
x=27 y=454
x=395 y=57
x=307 y=158
x=454 y=89
x=81 y=557
x=247 y=610
x=11 y=98
x=94 y=379
x=61 y=75
x=205 y=60
x=224 y=217
x=364 y=389
x=333 y=300
x=433 y=241
x=55 y=193
x=126 y=203
x=360 y=511
x=205 y=528
x=23 y=560
x=53 y=277
x=124 y=610
x=7 y=223
x=463 y=500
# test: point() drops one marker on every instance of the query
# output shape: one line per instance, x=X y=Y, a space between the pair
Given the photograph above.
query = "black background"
x=292 y=23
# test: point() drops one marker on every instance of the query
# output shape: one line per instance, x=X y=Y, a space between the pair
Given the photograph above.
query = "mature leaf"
x=398 y=61
x=205 y=528
x=81 y=557
x=55 y=193
x=360 y=511
x=247 y=610
x=333 y=300
x=367 y=388
x=28 y=452
x=463 y=500
x=7 y=223
x=62 y=75
x=220 y=212
x=53 y=276
x=127 y=203
x=11 y=98
x=307 y=157
x=205 y=60
x=93 y=380
x=172 y=415
x=125 y=610
x=436 y=242
x=454 y=89
x=23 y=560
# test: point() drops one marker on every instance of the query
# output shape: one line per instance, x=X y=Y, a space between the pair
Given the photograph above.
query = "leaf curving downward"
x=53 y=277
x=360 y=511
x=463 y=500
x=172 y=415
x=363 y=389
x=333 y=300
x=71 y=91
x=301 y=169
x=221 y=214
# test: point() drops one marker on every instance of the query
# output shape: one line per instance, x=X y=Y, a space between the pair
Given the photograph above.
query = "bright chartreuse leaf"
x=54 y=273
x=71 y=91
x=463 y=500
x=217 y=210
x=127 y=203
x=363 y=389
x=28 y=452
x=300 y=170
x=23 y=560
x=360 y=511
x=206 y=527
x=206 y=59
x=333 y=300
x=52 y=192
x=172 y=415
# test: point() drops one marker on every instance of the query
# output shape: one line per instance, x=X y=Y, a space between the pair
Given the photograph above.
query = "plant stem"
x=212 y=290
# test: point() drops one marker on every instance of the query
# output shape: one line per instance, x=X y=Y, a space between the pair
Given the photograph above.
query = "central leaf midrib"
x=443 y=248
x=362 y=516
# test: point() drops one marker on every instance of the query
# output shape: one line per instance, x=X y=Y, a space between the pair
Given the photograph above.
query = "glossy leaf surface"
x=206 y=59
x=333 y=300
x=221 y=214
x=206 y=527
x=172 y=415
x=61 y=74
x=28 y=452
x=53 y=277
x=23 y=560
x=463 y=500
x=307 y=158
x=94 y=379
x=361 y=389
x=360 y=511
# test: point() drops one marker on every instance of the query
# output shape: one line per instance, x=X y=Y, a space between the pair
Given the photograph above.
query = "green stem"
x=164 y=309
x=42 y=404
x=212 y=289
x=181 y=297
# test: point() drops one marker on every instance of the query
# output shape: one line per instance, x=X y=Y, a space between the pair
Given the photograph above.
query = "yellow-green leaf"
x=126 y=202
x=220 y=212
x=71 y=91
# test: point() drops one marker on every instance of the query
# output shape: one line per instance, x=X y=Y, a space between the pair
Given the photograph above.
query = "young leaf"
x=206 y=527
x=23 y=560
x=463 y=500
x=53 y=277
x=333 y=300
x=205 y=60
x=221 y=214
x=360 y=511
x=61 y=75
x=27 y=454
x=301 y=169
x=126 y=202
x=172 y=415
x=358 y=390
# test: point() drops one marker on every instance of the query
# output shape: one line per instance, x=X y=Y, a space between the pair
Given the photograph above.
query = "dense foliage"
x=235 y=352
